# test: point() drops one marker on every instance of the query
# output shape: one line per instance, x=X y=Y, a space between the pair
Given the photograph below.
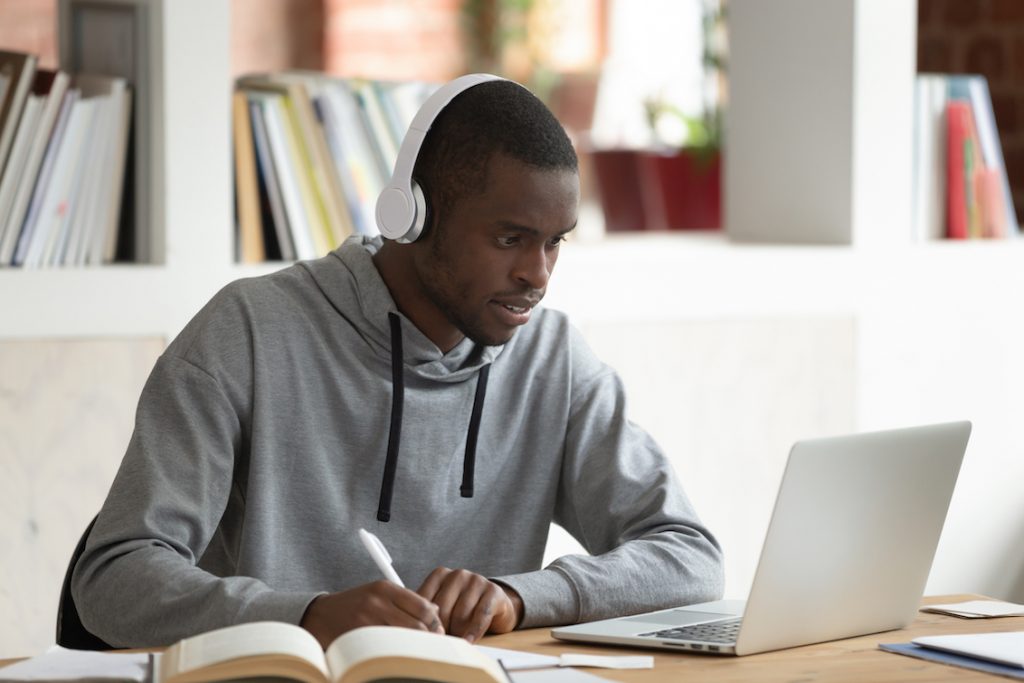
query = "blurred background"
x=621 y=70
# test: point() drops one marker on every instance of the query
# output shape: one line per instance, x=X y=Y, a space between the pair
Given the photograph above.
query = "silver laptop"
x=848 y=550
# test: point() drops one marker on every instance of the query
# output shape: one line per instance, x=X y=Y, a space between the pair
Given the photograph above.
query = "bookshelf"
x=192 y=236
x=729 y=351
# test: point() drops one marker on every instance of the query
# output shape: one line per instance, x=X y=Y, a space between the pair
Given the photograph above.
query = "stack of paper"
x=529 y=667
x=978 y=609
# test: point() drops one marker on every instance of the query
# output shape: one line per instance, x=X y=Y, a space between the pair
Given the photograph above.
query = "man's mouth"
x=515 y=312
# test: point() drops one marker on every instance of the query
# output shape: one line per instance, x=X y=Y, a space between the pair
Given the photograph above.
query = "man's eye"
x=508 y=240
x=555 y=241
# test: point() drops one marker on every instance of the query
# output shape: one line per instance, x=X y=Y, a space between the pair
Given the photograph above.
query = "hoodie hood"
x=358 y=279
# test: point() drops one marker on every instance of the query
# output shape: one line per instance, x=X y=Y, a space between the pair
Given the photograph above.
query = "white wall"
x=726 y=398
x=793 y=343
x=66 y=412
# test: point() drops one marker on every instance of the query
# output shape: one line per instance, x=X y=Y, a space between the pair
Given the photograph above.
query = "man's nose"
x=533 y=268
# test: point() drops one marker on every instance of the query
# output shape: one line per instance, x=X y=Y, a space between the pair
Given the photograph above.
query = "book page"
x=262 y=648
x=376 y=652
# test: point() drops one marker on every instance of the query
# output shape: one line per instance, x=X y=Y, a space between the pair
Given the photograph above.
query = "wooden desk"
x=855 y=660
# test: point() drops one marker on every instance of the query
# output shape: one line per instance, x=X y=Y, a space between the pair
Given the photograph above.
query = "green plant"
x=701 y=134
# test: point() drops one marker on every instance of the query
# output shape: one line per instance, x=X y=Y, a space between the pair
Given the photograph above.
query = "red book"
x=957 y=133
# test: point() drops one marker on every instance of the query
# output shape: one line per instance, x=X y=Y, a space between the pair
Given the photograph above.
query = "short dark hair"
x=494 y=117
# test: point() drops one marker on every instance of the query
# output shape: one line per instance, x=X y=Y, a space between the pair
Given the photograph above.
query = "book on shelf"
x=363 y=176
x=56 y=196
x=88 y=33
x=301 y=87
x=18 y=183
x=26 y=228
x=318 y=181
x=381 y=135
x=17 y=70
x=961 y=188
x=270 y=108
x=62 y=205
x=958 y=125
x=99 y=219
x=322 y=149
x=248 y=216
x=930 y=157
x=16 y=163
x=272 y=213
x=989 y=157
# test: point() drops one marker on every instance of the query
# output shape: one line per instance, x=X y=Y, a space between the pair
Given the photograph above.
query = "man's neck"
x=394 y=263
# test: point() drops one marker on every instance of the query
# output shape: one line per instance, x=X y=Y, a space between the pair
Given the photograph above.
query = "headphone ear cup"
x=402 y=211
x=421 y=214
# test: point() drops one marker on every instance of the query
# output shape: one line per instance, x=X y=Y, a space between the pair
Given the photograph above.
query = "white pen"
x=380 y=556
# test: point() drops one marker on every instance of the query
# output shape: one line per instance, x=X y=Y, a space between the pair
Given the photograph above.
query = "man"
x=416 y=390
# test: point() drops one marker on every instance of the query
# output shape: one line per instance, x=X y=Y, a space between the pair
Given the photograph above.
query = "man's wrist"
x=312 y=622
x=517 y=603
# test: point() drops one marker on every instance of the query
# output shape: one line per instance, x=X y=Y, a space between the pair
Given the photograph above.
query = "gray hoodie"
x=260 y=445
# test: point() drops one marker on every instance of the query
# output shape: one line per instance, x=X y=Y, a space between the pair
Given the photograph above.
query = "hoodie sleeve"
x=139 y=582
x=619 y=497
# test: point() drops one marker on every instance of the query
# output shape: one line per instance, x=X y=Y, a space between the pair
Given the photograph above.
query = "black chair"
x=70 y=631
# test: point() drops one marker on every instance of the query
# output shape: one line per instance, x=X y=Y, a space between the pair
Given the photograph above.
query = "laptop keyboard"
x=715 y=632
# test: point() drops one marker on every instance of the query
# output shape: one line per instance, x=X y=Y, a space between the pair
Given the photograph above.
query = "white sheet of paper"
x=978 y=609
x=603 y=662
x=61 y=664
x=516 y=660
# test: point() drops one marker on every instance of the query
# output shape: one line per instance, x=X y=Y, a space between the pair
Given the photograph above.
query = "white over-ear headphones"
x=401 y=206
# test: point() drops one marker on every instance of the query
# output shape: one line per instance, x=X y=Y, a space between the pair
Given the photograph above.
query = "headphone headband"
x=401 y=206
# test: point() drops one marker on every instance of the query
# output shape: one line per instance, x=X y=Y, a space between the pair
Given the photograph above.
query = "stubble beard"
x=445 y=293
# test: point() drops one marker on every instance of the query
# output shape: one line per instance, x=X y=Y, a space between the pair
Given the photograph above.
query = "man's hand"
x=373 y=604
x=469 y=605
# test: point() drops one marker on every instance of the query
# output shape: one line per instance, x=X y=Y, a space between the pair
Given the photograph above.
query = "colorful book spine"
x=247 y=198
x=324 y=143
x=975 y=89
x=270 y=187
x=957 y=113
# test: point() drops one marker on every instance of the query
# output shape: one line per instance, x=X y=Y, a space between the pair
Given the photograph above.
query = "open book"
x=279 y=650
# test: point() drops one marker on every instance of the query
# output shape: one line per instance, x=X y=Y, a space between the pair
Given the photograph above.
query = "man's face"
x=486 y=262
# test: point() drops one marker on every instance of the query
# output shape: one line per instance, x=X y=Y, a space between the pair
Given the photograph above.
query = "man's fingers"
x=467 y=604
x=380 y=602
x=399 y=617
x=419 y=609
x=466 y=612
x=455 y=584
x=398 y=606
x=432 y=584
x=482 y=616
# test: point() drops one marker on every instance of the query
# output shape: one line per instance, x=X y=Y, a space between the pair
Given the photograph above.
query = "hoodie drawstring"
x=395 y=434
x=469 y=460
